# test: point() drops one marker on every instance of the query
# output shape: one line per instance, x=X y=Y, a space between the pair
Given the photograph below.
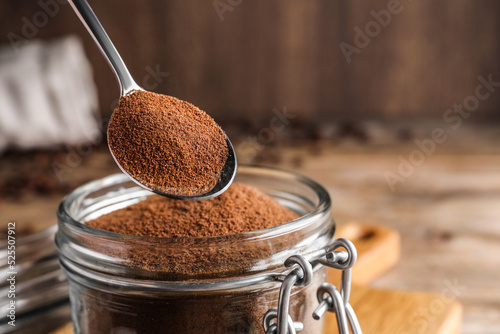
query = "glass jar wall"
x=197 y=285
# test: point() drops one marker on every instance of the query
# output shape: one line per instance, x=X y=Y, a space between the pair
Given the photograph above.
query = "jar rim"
x=323 y=205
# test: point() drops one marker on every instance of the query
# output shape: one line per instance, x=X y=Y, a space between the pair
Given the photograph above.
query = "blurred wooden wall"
x=267 y=54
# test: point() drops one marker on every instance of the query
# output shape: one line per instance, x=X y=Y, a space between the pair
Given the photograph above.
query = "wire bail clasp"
x=278 y=321
x=329 y=297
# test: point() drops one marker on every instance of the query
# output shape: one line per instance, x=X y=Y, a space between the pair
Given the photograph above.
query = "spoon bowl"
x=227 y=175
x=127 y=85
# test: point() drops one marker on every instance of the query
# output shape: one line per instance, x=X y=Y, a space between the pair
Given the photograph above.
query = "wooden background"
x=266 y=54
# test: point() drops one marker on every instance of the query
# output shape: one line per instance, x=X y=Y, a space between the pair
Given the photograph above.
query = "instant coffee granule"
x=196 y=241
x=218 y=312
x=167 y=144
x=199 y=226
x=240 y=209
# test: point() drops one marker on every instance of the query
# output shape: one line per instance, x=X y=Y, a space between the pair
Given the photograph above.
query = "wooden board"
x=66 y=329
x=386 y=311
x=378 y=247
x=395 y=312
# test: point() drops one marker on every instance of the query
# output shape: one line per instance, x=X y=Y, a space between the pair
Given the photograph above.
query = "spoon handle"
x=94 y=27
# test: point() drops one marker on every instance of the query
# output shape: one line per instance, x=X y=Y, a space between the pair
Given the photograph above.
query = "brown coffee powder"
x=200 y=247
x=207 y=249
x=240 y=209
x=217 y=312
x=167 y=144
x=196 y=239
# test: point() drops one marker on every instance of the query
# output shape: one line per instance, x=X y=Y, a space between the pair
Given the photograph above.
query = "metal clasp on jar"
x=278 y=320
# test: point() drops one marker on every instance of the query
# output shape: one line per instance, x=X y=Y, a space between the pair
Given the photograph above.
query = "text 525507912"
x=11 y=274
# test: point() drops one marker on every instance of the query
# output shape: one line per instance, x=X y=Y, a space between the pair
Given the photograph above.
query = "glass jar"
x=129 y=284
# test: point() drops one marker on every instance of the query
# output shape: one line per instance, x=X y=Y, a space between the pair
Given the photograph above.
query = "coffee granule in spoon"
x=167 y=144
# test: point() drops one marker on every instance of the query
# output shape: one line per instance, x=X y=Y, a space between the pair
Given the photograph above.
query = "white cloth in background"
x=47 y=95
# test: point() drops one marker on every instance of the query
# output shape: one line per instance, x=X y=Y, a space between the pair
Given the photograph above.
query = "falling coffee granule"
x=167 y=144
x=240 y=209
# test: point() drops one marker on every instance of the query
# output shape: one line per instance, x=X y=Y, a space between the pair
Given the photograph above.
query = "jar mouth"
x=193 y=258
x=324 y=204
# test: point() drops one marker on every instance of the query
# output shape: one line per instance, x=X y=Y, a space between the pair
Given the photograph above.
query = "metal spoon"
x=127 y=84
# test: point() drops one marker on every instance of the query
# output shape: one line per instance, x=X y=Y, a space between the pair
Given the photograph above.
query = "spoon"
x=127 y=85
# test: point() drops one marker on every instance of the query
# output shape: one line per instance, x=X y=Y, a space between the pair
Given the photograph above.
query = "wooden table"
x=447 y=211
